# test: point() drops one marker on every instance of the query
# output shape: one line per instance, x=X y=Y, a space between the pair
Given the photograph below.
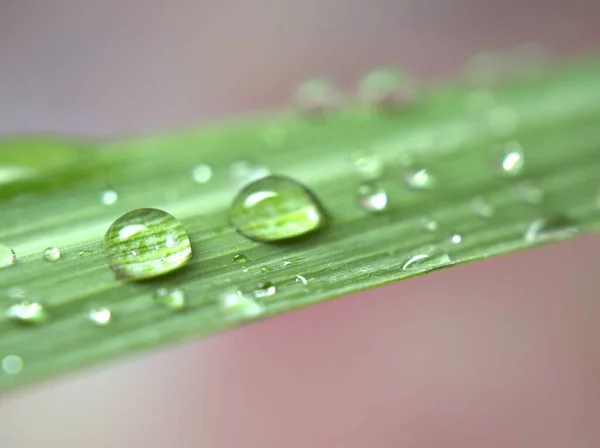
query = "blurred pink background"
x=503 y=353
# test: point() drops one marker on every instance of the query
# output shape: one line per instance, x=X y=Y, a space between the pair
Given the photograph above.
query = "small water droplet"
x=529 y=193
x=265 y=269
x=503 y=121
x=317 y=96
x=368 y=166
x=419 y=179
x=555 y=227
x=482 y=208
x=7 y=256
x=27 y=312
x=427 y=258
x=239 y=259
x=276 y=208
x=100 y=316
x=301 y=279
x=202 y=173
x=264 y=289
x=171 y=298
x=109 y=197
x=428 y=224
x=455 y=238
x=386 y=87
x=52 y=254
x=236 y=303
x=372 y=197
x=510 y=158
x=146 y=243
x=242 y=173
x=12 y=364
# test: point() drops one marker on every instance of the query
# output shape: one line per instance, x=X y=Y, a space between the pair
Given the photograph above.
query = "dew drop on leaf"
x=27 y=312
x=265 y=269
x=7 y=257
x=109 y=197
x=52 y=254
x=368 y=166
x=428 y=224
x=301 y=279
x=239 y=259
x=235 y=304
x=264 y=289
x=100 y=316
x=510 y=159
x=12 y=364
x=146 y=243
x=418 y=179
x=456 y=238
x=201 y=173
x=427 y=258
x=275 y=209
x=372 y=197
x=171 y=298
x=554 y=227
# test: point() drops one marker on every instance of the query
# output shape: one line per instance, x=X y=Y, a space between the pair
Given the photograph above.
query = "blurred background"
x=503 y=353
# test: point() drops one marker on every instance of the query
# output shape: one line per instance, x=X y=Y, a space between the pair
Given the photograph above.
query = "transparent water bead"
x=510 y=159
x=553 y=227
x=418 y=179
x=27 y=312
x=99 y=316
x=7 y=257
x=202 y=173
x=264 y=289
x=146 y=243
x=372 y=197
x=427 y=258
x=171 y=298
x=52 y=254
x=276 y=208
x=386 y=87
x=109 y=197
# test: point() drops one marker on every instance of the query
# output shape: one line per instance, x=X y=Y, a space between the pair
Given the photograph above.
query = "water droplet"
x=455 y=238
x=264 y=289
x=427 y=258
x=372 y=197
x=52 y=254
x=511 y=159
x=482 y=208
x=301 y=279
x=202 y=173
x=171 y=298
x=109 y=197
x=428 y=224
x=242 y=173
x=529 y=193
x=386 y=87
x=238 y=304
x=317 y=96
x=503 y=121
x=12 y=364
x=239 y=259
x=265 y=269
x=146 y=243
x=419 y=179
x=99 y=316
x=27 y=312
x=7 y=256
x=369 y=166
x=276 y=208
x=550 y=228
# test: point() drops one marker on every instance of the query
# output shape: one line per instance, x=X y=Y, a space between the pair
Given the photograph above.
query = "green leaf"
x=445 y=180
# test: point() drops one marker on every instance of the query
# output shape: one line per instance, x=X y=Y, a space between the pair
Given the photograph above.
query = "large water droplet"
x=264 y=289
x=202 y=173
x=242 y=172
x=372 y=197
x=171 y=298
x=386 y=87
x=7 y=256
x=52 y=254
x=419 y=179
x=317 y=96
x=482 y=208
x=100 y=316
x=276 y=208
x=427 y=258
x=510 y=158
x=27 y=312
x=109 y=197
x=12 y=364
x=555 y=227
x=146 y=243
